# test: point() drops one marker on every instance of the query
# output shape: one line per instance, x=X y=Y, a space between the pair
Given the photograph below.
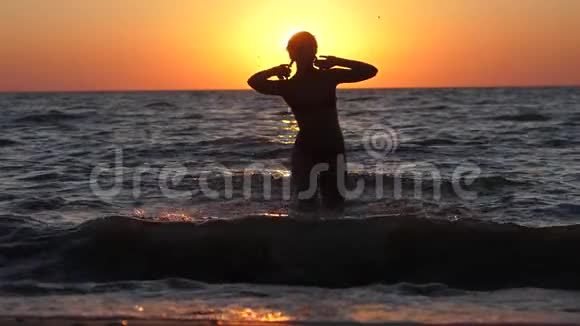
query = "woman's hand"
x=282 y=71
x=261 y=82
x=351 y=71
x=327 y=62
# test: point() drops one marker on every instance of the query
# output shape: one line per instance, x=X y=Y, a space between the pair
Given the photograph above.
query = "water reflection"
x=288 y=132
x=279 y=213
x=445 y=313
x=249 y=314
x=165 y=215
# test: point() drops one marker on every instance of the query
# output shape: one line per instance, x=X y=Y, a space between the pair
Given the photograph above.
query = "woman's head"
x=302 y=47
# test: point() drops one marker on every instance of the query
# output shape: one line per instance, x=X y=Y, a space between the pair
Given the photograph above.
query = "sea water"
x=75 y=166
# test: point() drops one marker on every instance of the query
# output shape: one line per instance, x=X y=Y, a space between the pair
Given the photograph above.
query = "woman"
x=311 y=94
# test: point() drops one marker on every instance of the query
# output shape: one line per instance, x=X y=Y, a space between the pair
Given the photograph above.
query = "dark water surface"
x=68 y=160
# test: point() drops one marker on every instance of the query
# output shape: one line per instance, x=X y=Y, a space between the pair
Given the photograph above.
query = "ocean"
x=463 y=206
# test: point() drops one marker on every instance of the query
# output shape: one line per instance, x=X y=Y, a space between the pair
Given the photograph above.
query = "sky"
x=72 y=45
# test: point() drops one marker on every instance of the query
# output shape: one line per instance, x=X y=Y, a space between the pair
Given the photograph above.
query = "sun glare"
x=288 y=35
x=262 y=42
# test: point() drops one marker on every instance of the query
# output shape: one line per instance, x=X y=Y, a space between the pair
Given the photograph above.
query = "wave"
x=435 y=142
x=273 y=182
x=159 y=104
x=558 y=142
x=41 y=176
x=245 y=141
x=273 y=153
x=87 y=108
x=32 y=288
x=361 y=99
x=465 y=254
x=436 y=107
x=406 y=99
x=409 y=181
x=355 y=112
x=281 y=113
x=494 y=181
x=7 y=197
x=193 y=116
x=5 y=142
x=50 y=203
x=486 y=102
x=87 y=203
x=52 y=116
x=524 y=117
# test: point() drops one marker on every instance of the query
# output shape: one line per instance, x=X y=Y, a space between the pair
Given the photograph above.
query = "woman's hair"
x=302 y=46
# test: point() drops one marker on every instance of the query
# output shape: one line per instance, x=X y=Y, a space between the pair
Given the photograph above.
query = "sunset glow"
x=158 y=45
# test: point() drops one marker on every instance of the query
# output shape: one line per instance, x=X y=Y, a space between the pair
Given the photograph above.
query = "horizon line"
x=136 y=90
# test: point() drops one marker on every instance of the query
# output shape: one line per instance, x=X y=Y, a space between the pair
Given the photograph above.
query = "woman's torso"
x=312 y=99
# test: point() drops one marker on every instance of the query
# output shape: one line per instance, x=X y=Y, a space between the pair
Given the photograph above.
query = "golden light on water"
x=248 y=314
x=280 y=213
x=225 y=210
x=288 y=132
x=280 y=173
x=139 y=213
x=176 y=217
x=167 y=215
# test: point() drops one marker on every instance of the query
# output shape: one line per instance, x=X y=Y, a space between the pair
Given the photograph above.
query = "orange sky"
x=217 y=44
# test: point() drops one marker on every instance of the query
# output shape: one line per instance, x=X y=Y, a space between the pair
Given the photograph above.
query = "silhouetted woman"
x=318 y=155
